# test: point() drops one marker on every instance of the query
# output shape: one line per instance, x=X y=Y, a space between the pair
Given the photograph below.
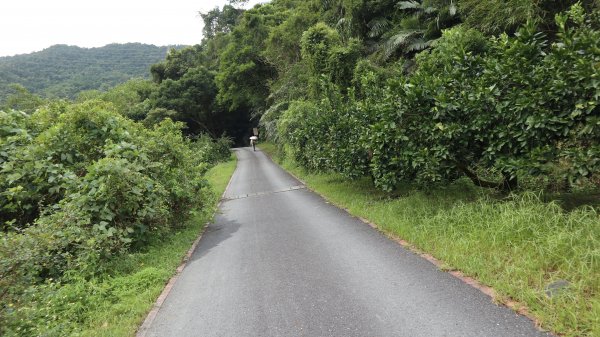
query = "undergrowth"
x=114 y=303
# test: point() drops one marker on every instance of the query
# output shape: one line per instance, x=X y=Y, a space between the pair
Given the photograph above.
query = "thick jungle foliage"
x=496 y=107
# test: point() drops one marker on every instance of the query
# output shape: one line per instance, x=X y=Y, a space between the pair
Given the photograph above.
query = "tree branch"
x=475 y=178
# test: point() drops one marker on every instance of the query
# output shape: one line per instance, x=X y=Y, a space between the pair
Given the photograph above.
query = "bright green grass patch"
x=518 y=245
x=219 y=175
x=115 y=304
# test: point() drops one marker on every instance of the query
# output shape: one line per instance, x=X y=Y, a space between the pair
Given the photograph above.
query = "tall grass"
x=518 y=246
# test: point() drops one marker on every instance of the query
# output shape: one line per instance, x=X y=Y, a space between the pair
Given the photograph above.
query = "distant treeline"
x=63 y=71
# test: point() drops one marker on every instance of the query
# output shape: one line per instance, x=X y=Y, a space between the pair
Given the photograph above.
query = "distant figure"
x=253 y=140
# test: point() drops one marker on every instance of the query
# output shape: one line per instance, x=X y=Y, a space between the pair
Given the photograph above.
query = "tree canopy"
x=420 y=90
x=435 y=89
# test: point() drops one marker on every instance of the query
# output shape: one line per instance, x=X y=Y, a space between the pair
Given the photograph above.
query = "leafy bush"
x=295 y=128
x=327 y=57
x=63 y=143
x=82 y=184
x=211 y=150
x=327 y=135
x=491 y=109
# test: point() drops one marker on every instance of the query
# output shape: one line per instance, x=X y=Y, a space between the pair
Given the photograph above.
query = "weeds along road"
x=280 y=261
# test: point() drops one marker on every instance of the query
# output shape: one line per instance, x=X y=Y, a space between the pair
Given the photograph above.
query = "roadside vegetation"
x=96 y=212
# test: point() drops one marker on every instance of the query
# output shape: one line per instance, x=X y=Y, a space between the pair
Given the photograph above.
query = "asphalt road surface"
x=280 y=261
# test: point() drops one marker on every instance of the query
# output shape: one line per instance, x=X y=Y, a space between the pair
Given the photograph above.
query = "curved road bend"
x=280 y=261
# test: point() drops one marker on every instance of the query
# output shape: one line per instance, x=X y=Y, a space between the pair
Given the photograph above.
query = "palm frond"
x=418 y=45
x=398 y=40
x=378 y=26
x=411 y=4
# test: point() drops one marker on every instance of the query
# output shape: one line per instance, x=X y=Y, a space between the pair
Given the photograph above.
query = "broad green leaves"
x=492 y=109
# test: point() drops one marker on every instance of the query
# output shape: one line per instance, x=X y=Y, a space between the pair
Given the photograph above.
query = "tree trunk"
x=475 y=178
x=508 y=183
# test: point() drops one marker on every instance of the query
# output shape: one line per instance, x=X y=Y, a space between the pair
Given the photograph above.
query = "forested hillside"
x=63 y=71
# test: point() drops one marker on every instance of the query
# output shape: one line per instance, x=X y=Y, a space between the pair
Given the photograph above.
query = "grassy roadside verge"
x=518 y=246
x=116 y=305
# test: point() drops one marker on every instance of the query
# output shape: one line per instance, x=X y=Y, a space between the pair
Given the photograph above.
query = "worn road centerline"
x=243 y=196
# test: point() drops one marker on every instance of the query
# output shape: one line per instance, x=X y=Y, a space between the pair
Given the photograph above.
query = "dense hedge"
x=81 y=184
x=493 y=109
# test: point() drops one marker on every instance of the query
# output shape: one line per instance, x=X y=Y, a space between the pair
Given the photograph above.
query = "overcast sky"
x=32 y=25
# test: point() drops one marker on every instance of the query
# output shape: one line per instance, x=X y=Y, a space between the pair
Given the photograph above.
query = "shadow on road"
x=217 y=232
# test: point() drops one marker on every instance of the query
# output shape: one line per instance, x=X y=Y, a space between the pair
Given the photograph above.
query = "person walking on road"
x=253 y=140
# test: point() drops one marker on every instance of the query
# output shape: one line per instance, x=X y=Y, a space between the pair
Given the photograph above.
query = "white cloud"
x=32 y=25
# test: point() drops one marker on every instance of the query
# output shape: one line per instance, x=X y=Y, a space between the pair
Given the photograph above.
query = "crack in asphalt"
x=256 y=194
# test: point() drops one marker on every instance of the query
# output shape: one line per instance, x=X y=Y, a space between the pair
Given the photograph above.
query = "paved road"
x=280 y=261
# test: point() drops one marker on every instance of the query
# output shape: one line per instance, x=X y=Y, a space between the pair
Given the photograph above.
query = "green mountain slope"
x=63 y=71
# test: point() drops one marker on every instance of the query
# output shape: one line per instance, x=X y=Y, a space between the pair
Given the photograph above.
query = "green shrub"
x=491 y=109
x=211 y=150
x=64 y=141
x=327 y=135
x=516 y=106
x=81 y=185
